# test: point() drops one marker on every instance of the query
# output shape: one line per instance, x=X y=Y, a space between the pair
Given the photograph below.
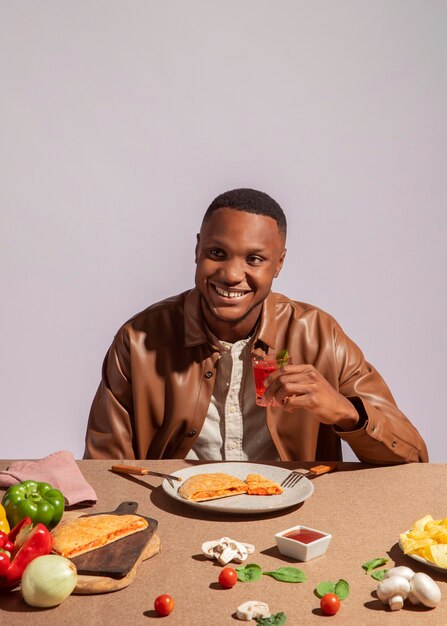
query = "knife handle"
x=318 y=470
x=130 y=469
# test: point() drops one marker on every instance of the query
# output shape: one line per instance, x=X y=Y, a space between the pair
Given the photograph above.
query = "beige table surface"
x=364 y=508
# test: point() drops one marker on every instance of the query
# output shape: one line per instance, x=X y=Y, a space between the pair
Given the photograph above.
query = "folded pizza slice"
x=201 y=487
x=91 y=532
x=258 y=485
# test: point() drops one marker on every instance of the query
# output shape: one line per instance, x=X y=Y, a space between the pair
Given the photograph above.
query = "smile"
x=229 y=294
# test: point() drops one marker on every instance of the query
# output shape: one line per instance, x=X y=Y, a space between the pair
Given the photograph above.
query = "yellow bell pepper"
x=4 y=525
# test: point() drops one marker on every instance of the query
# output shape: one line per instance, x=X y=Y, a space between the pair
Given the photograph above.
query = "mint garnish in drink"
x=282 y=358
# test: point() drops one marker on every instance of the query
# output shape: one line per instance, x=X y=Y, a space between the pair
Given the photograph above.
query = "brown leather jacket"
x=159 y=373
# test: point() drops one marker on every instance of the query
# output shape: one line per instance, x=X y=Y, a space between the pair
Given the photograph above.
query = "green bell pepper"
x=37 y=500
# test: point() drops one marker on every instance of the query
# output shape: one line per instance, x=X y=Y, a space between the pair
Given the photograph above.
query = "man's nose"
x=233 y=271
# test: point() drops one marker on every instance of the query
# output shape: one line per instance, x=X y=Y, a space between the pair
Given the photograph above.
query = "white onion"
x=48 y=580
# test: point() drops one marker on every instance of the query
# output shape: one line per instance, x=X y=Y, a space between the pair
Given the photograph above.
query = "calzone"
x=258 y=485
x=201 y=487
x=91 y=532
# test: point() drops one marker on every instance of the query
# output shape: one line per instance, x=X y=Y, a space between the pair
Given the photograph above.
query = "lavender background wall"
x=120 y=121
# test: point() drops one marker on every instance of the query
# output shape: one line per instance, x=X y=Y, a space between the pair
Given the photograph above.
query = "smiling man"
x=178 y=383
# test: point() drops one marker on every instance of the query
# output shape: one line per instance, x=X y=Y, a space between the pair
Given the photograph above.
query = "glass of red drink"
x=263 y=366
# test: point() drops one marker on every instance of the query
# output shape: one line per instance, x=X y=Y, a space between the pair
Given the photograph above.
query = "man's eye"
x=216 y=253
x=254 y=259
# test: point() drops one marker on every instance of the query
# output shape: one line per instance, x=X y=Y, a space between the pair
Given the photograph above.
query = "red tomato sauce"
x=304 y=535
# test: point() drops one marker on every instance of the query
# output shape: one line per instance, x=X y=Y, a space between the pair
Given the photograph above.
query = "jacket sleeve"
x=109 y=429
x=386 y=435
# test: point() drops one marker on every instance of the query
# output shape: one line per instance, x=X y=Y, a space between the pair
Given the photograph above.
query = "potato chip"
x=410 y=546
x=421 y=523
x=439 y=554
x=427 y=538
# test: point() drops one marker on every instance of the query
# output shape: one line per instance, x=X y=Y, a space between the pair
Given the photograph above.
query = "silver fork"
x=294 y=477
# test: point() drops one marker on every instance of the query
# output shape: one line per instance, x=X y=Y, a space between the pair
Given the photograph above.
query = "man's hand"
x=303 y=387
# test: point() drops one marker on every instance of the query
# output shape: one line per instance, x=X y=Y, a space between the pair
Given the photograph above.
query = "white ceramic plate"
x=244 y=504
x=421 y=559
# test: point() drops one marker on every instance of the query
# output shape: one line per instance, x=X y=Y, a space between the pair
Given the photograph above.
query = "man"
x=177 y=381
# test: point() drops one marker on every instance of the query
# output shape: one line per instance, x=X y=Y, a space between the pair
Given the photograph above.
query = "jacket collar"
x=267 y=325
x=195 y=330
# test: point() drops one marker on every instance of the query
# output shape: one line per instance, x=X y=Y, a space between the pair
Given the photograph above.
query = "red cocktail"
x=261 y=369
x=263 y=366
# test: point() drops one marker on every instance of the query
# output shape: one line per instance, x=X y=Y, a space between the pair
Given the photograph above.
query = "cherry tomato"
x=4 y=563
x=330 y=604
x=228 y=577
x=164 y=604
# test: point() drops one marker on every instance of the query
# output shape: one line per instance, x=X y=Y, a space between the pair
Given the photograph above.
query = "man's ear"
x=280 y=263
x=197 y=248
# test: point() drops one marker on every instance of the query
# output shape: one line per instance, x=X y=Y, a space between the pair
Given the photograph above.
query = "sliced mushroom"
x=393 y=591
x=226 y=550
x=252 y=610
x=424 y=590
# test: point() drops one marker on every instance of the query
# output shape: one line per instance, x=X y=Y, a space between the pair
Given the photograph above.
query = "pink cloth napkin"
x=59 y=469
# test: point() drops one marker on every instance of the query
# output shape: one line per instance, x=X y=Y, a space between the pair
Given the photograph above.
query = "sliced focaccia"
x=201 y=487
x=258 y=485
x=91 y=532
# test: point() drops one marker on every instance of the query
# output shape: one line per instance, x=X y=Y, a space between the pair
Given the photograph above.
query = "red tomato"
x=228 y=577
x=330 y=604
x=164 y=604
x=4 y=563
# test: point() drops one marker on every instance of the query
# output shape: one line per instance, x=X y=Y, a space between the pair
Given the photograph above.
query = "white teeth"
x=229 y=294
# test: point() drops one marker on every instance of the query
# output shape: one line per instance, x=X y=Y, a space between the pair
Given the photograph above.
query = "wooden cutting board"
x=114 y=566
x=87 y=585
x=117 y=558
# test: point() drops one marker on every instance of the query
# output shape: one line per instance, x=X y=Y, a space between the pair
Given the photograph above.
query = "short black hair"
x=249 y=201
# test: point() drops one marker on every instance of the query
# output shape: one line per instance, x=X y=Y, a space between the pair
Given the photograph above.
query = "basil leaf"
x=288 y=575
x=249 y=573
x=323 y=588
x=370 y=565
x=274 y=620
x=379 y=575
x=282 y=358
x=342 y=589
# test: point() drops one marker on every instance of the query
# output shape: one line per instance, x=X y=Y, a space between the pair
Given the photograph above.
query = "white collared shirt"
x=235 y=428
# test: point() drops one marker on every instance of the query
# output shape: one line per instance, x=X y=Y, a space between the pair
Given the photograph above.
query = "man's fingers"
x=289 y=389
x=288 y=382
x=296 y=373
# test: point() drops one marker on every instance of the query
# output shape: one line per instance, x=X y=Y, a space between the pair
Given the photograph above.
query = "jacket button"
x=192 y=432
x=373 y=428
x=208 y=374
x=393 y=444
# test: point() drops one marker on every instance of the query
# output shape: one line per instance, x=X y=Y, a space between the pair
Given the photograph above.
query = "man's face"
x=237 y=255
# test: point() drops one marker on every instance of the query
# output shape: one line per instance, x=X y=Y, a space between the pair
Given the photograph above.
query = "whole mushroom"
x=401 y=570
x=424 y=590
x=393 y=591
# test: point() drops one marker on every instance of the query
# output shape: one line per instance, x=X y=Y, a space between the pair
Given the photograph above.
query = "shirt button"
x=208 y=374
x=233 y=445
x=192 y=432
x=373 y=428
x=393 y=444
x=233 y=409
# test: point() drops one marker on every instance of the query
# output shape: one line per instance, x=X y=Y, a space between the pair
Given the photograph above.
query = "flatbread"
x=91 y=532
x=258 y=485
x=201 y=487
